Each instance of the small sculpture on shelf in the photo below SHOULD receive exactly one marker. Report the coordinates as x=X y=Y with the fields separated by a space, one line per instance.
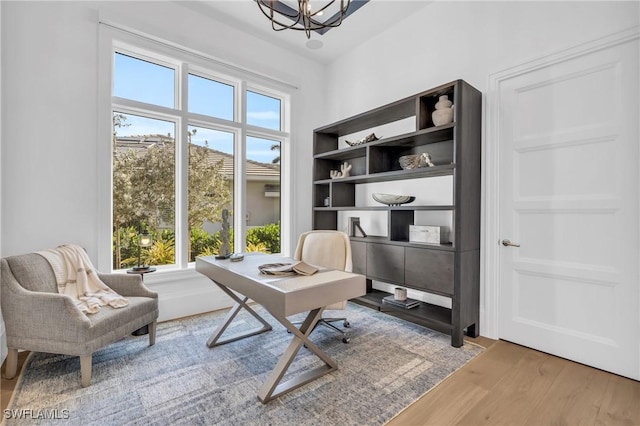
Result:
x=414 y=161
x=370 y=138
x=354 y=226
x=444 y=111
x=345 y=170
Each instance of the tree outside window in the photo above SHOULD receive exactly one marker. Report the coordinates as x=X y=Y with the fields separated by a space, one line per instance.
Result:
x=146 y=148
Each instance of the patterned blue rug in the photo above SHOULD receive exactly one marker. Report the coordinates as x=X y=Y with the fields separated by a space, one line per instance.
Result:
x=180 y=381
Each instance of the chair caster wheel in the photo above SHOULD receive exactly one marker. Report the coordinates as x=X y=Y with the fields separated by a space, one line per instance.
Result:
x=346 y=324
x=345 y=340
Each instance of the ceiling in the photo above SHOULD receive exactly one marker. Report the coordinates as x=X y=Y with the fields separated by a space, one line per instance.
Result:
x=367 y=22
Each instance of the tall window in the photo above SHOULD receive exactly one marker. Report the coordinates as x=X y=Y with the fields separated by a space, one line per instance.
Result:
x=186 y=169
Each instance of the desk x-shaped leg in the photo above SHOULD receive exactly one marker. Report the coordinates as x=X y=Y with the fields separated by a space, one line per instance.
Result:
x=214 y=340
x=272 y=388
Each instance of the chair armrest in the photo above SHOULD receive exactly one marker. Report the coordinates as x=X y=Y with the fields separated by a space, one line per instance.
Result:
x=127 y=285
x=47 y=313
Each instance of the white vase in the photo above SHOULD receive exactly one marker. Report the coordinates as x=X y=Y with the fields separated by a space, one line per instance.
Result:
x=444 y=111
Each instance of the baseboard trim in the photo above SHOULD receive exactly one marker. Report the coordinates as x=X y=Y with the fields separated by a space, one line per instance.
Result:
x=188 y=294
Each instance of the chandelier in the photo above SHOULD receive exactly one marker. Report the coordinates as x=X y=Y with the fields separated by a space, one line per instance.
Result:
x=306 y=18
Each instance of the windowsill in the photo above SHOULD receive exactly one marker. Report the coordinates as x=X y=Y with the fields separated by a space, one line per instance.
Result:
x=184 y=292
x=160 y=276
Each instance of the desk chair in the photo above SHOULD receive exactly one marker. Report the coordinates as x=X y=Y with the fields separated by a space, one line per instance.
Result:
x=329 y=249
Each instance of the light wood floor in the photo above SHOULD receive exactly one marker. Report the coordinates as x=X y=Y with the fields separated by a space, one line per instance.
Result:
x=508 y=384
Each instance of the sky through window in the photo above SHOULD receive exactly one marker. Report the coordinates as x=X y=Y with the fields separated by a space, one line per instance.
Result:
x=155 y=84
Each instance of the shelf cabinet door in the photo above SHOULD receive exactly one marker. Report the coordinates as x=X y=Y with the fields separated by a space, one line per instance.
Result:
x=359 y=257
x=385 y=263
x=430 y=270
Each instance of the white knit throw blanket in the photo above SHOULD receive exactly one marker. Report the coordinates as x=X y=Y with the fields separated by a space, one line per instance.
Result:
x=77 y=278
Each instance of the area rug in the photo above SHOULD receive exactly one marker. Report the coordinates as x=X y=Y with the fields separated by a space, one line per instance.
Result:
x=388 y=364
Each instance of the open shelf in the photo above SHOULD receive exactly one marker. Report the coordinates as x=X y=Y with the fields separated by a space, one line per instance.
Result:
x=395 y=111
x=384 y=208
x=413 y=139
x=343 y=154
x=426 y=314
x=443 y=170
x=386 y=240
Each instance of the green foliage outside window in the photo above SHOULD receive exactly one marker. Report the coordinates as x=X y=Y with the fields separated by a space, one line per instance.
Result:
x=264 y=239
x=144 y=196
x=267 y=234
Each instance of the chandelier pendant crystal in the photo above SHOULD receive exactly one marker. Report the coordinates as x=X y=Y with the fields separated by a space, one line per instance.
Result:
x=305 y=18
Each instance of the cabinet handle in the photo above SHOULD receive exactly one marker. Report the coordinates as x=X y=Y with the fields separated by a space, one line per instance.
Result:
x=507 y=243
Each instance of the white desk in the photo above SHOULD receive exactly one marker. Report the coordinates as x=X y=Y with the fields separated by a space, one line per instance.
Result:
x=282 y=297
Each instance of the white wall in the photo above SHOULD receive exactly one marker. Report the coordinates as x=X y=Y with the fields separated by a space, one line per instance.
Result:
x=464 y=40
x=50 y=106
x=3 y=340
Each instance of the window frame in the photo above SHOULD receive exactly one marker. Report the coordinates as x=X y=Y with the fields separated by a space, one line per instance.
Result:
x=186 y=62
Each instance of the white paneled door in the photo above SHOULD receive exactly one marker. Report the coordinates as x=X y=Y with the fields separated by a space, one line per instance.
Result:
x=569 y=193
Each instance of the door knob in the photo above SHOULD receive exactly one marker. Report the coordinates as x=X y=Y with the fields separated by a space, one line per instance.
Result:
x=508 y=243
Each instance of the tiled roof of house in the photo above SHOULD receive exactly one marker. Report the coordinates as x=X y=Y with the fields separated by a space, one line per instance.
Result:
x=254 y=168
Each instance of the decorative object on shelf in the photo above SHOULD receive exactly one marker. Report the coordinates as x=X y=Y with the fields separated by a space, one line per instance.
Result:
x=406 y=303
x=444 y=111
x=428 y=234
x=345 y=170
x=327 y=201
x=400 y=293
x=305 y=18
x=355 y=228
x=415 y=161
x=372 y=137
x=392 y=200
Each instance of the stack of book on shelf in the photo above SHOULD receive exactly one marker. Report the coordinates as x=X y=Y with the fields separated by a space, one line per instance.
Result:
x=406 y=304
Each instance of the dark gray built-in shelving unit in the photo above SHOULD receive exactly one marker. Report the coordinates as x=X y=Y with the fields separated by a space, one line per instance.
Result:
x=451 y=270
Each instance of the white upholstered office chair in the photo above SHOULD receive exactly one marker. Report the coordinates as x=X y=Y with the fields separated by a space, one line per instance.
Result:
x=329 y=249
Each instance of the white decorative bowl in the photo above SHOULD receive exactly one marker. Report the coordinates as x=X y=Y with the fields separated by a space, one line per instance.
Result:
x=392 y=200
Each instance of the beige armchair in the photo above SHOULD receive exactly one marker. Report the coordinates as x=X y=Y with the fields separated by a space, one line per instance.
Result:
x=39 y=319
x=329 y=249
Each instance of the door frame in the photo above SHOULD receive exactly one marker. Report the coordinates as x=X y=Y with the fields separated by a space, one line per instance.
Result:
x=490 y=253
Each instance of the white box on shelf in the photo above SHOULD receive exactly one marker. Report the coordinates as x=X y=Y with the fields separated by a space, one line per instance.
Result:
x=428 y=234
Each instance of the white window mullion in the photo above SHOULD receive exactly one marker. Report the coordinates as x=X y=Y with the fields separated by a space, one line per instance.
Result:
x=182 y=170
x=286 y=176
x=240 y=172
